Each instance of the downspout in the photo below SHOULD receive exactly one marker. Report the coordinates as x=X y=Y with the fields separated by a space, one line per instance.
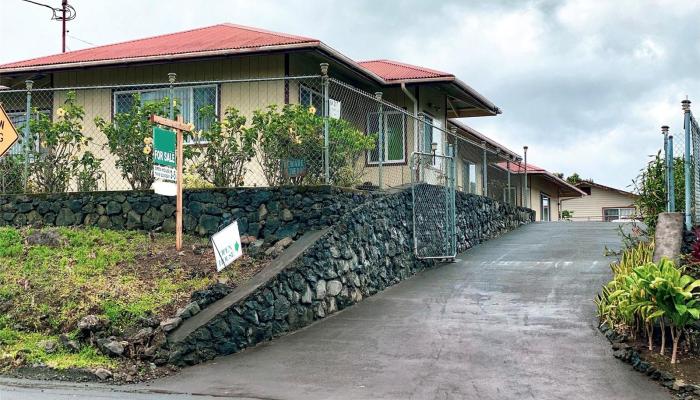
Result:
x=415 y=114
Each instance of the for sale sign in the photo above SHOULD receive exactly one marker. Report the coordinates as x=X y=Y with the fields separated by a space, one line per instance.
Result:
x=164 y=141
x=227 y=245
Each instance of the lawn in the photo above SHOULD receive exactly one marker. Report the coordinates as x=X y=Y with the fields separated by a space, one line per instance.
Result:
x=122 y=276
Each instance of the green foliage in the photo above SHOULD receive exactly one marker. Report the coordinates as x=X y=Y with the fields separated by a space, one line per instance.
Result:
x=567 y=215
x=89 y=172
x=11 y=168
x=643 y=293
x=125 y=139
x=10 y=242
x=55 y=147
x=229 y=146
x=650 y=185
x=573 y=178
x=290 y=147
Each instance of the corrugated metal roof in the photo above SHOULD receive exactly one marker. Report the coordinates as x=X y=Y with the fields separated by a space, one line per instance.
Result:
x=392 y=71
x=519 y=168
x=207 y=39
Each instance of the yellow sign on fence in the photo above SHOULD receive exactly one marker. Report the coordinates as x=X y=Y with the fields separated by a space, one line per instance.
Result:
x=8 y=133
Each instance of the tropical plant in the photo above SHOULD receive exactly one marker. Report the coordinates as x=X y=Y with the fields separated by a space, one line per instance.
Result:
x=291 y=151
x=672 y=293
x=55 y=145
x=228 y=146
x=125 y=139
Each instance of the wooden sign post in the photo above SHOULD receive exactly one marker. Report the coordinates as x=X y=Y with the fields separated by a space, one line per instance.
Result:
x=179 y=126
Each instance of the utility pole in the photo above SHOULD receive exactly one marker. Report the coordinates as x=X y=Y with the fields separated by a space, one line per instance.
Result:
x=63 y=14
x=64 y=5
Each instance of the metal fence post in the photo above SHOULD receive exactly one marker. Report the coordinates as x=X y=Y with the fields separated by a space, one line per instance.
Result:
x=508 y=172
x=25 y=141
x=171 y=78
x=326 y=133
x=685 y=104
x=671 y=178
x=484 y=173
x=526 y=193
x=664 y=131
x=380 y=139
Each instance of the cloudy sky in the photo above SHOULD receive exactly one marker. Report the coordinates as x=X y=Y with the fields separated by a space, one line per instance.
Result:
x=585 y=84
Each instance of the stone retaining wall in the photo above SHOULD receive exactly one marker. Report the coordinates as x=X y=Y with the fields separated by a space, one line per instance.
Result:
x=367 y=250
x=266 y=213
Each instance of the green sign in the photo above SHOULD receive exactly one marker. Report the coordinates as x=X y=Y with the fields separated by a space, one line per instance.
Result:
x=163 y=147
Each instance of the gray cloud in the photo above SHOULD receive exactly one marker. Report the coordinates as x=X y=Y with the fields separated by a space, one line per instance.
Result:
x=585 y=83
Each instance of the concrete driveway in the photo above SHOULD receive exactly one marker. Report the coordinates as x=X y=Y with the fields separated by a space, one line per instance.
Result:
x=511 y=319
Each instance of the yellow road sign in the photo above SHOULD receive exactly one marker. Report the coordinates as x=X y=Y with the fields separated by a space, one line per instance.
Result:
x=8 y=133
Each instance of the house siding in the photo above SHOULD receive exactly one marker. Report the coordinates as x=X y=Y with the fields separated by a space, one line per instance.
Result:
x=590 y=208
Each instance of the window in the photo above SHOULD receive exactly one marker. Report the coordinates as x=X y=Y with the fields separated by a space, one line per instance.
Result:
x=544 y=207
x=613 y=214
x=309 y=97
x=509 y=194
x=393 y=127
x=18 y=120
x=190 y=100
x=469 y=177
x=432 y=134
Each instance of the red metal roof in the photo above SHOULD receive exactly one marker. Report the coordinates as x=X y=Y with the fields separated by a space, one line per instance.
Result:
x=392 y=71
x=519 y=167
x=203 y=40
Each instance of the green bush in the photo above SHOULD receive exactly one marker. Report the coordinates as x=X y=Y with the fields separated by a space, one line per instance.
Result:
x=125 y=139
x=227 y=147
x=55 y=147
x=291 y=147
x=11 y=170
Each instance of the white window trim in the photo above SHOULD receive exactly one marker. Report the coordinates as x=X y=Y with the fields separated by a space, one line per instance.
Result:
x=191 y=105
x=20 y=132
x=619 y=216
x=386 y=138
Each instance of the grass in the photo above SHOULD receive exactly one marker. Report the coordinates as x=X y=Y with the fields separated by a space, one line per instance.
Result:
x=120 y=275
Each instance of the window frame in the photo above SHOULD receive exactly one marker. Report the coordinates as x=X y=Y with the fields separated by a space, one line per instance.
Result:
x=190 y=88
x=46 y=111
x=605 y=217
x=386 y=114
x=466 y=177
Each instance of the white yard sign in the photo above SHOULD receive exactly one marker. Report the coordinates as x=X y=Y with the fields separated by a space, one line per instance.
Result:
x=227 y=245
x=334 y=108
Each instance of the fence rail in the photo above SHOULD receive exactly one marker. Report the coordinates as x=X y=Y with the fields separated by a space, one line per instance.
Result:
x=302 y=130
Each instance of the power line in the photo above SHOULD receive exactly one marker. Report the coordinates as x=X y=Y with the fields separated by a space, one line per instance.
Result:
x=63 y=14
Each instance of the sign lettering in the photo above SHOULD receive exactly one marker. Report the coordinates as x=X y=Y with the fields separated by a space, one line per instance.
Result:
x=8 y=133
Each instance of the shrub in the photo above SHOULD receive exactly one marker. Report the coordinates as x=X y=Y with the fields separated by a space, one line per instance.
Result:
x=228 y=147
x=125 y=139
x=290 y=147
x=11 y=174
x=55 y=146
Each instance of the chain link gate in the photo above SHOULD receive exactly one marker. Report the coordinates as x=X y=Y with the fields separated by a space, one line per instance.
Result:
x=433 y=182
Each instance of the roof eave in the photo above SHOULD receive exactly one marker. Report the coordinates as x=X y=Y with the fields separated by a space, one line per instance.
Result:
x=165 y=57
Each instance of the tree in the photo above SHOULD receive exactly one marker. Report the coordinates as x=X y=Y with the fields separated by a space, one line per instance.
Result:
x=650 y=185
x=574 y=178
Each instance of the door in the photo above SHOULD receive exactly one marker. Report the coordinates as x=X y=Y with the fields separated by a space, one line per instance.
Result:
x=544 y=207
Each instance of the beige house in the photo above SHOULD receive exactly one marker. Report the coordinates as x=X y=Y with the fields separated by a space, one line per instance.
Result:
x=249 y=69
x=544 y=191
x=601 y=203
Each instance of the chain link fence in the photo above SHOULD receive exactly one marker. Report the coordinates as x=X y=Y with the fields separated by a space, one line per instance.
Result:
x=305 y=130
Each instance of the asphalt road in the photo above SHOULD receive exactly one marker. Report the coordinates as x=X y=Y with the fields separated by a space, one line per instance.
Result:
x=511 y=319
